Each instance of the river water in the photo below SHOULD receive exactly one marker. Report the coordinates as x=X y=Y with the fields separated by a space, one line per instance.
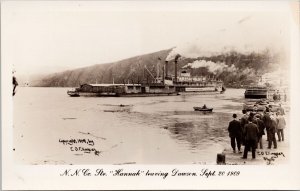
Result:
x=147 y=130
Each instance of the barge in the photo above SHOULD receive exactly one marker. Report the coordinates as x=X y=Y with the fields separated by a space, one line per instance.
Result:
x=122 y=90
x=259 y=92
x=256 y=92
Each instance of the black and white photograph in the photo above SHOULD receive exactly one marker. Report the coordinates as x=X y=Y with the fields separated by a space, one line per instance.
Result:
x=153 y=83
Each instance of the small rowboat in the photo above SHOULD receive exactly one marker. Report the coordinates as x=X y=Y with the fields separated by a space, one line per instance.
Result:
x=203 y=109
x=73 y=93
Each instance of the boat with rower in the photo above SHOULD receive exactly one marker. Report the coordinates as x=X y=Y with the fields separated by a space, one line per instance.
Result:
x=203 y=108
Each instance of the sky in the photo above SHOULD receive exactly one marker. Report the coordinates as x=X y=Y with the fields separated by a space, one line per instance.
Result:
x=51 y=36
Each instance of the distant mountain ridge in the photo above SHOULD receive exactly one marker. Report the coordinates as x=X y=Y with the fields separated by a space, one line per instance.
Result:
x=132 y=70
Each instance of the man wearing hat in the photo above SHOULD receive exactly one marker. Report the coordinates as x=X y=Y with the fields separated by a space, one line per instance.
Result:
x=261 y=127
x=251 y=132
x=235 y=133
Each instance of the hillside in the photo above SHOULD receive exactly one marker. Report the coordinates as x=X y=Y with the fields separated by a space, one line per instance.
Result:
x=131 y=69
x=233 y=68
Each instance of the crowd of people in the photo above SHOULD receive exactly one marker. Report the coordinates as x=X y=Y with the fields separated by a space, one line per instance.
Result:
x=249 y=130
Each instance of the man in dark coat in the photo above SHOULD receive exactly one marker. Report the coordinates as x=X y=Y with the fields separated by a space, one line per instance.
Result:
x=261 y=127
x=272 y=131
x=267 y=121
x=235 y=133
x=244 y=121
x=251 y=133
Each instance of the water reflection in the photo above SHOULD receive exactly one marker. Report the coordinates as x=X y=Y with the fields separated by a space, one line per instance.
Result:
x=194 y=130
x=200 y=131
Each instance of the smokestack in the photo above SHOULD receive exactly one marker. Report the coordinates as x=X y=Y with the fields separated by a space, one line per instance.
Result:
x=175 y=70
x=157 y=68
x=176 y=58
x=167 y=68
x=163 y=74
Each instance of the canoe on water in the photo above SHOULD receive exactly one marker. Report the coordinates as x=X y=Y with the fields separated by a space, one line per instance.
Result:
x=203 y=109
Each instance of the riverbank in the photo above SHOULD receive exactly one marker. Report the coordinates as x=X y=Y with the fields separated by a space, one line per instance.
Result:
x=264 y=156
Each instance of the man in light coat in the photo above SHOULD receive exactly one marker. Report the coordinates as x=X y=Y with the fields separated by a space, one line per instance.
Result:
x=280 y=126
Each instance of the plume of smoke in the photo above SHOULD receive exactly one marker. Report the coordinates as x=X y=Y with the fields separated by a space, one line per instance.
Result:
x=195 y=50
x=231 y=68
x=247 y=71
x=276 y=78
x=235 y=37
x=192 y=51
x=212 y=67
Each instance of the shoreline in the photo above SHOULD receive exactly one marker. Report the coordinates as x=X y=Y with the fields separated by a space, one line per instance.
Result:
x=264 y=156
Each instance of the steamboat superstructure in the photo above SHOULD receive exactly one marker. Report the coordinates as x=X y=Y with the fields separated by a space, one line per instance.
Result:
x=187 y=83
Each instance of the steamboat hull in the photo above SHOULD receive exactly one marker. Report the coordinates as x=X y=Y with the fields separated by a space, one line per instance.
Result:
x=190 y=90
x=200 y=93
x=256 y=93
x=255 y=96
x=88 y=94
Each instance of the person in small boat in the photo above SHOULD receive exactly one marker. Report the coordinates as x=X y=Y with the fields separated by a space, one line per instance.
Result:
x=204 y=107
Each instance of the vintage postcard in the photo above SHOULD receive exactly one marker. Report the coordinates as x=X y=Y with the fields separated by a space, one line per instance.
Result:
x=150 y=94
